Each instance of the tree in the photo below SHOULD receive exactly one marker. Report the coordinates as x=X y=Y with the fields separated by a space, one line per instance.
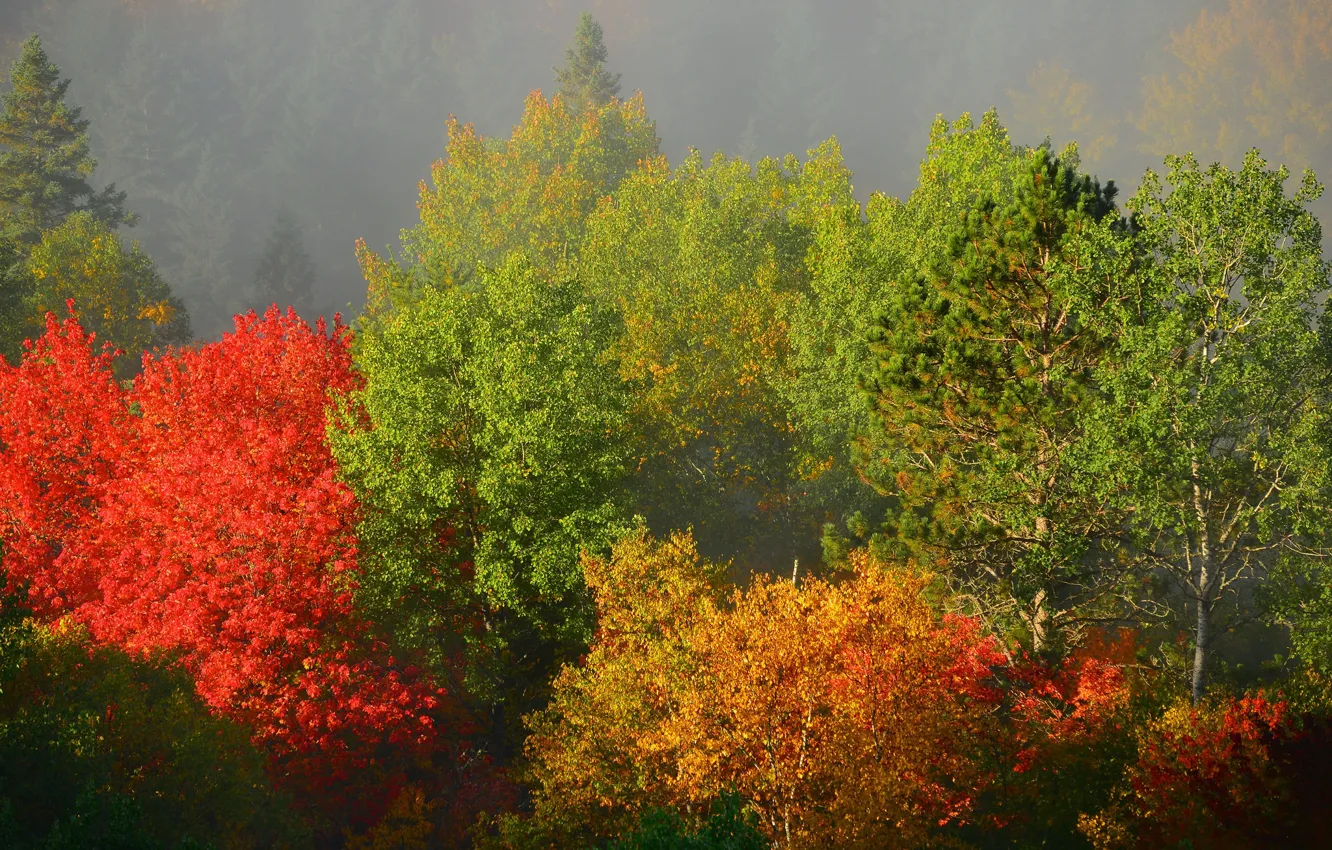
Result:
x=1205 y=776
x=285 y=274
x=853 y=265
x=592 y=764
x=66 y=428
x=94 y=742
x=705 y=263
x=193 y=514
x=119 y=292
x=1250 y=75
x=14 y=287
x=844 y=713
x=1214 y=414
x=531 y=193
x=980 y=386
x=584 y=80
x=489 y=450
x=798 y=91
x=202 y=230
x=45 y=165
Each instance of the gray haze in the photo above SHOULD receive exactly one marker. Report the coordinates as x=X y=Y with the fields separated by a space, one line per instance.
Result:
x=213 y=114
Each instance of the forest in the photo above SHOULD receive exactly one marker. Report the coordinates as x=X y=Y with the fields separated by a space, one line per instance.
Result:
x=644 y=503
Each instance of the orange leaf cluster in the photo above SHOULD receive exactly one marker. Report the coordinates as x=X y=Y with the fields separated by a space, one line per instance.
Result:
x=846 y=713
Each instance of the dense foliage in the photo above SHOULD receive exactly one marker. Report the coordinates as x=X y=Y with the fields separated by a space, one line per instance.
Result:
x=654 y=506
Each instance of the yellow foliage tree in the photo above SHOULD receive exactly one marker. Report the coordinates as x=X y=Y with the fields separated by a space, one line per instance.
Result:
x=406 y=825
x=530 y=193
x=844 y=713
x=1254 y=75
x=116 y=291
x=595 y=757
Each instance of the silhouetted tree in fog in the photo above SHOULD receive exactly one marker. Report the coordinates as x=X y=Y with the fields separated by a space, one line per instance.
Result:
x=285 y=274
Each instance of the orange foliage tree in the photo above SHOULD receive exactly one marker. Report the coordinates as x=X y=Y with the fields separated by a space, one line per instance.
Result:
x=846 y=714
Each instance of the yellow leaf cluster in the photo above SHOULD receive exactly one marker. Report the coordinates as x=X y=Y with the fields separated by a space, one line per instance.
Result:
x=832 y=708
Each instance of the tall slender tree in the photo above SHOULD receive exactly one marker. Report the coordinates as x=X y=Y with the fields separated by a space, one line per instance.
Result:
x=45 y=165
x=1215 y=402
x=978 y=389
x=584 y=80
x=285 y=274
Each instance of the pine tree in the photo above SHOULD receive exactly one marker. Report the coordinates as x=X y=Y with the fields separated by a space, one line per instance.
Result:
x=285 y=274
x=584 y=79
x=45 y=166
x=979 y=391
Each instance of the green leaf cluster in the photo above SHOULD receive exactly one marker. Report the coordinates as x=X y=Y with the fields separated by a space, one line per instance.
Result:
x=489 y=447
x=98 y=749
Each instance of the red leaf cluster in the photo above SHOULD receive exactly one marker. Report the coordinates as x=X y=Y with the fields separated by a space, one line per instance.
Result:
x=197 y=512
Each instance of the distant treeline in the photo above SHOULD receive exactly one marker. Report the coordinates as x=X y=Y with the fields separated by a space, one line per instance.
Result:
x=216 y=116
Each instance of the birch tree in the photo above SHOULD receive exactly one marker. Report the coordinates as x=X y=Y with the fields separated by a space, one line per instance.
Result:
x=1213 y=402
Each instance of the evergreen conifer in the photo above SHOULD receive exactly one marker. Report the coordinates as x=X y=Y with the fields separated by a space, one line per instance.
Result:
x=285 y=274
x=44 y=159
x=584 y=80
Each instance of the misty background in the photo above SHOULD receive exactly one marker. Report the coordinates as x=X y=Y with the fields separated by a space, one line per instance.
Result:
x=226 y=119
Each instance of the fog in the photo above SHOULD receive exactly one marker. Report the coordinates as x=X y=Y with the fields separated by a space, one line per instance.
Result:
x=213 y=114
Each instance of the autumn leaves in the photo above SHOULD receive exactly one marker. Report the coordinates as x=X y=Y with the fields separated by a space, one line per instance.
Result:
x=198 y=514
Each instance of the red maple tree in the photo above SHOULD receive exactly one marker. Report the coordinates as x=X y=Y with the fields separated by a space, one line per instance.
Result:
x=197 y=512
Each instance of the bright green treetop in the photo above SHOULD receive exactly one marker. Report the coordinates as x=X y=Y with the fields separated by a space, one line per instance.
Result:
x=531 y=193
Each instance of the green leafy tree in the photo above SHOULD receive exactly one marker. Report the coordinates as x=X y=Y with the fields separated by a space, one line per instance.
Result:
x=979 y=388
x=45 y=167
x=285 y=275
x=705 y=263
x=1214 y=424
x=489 y=450
x=45 y=163
x=584 y=80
